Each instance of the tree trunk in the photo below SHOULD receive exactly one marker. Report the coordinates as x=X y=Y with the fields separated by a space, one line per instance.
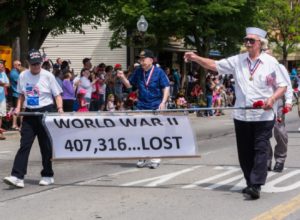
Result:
x=202 y=49
x=37 y=38
x=16 y=49
x=37 y=34
x=23 y=34
x=284 y=58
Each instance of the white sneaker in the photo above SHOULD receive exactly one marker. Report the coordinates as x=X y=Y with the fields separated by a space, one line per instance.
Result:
x=14 y=181
x=141 y=163
x=299 y=129
x=46 y=181
x=154 y=163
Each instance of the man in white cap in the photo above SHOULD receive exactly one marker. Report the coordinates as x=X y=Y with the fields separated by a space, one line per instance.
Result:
x=257 y=78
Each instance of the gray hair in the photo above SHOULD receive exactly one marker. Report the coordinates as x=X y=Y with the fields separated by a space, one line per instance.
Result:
x=264 y=43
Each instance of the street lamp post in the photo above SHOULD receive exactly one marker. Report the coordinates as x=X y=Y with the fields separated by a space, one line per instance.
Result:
x=142 y=26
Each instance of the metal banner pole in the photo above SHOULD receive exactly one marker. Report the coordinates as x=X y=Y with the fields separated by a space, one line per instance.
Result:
x=185 y=110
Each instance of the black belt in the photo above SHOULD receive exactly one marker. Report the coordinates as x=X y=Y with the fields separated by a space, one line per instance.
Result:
x=47 y=108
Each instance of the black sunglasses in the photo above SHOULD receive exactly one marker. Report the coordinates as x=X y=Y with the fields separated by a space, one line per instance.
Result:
x=250 y=40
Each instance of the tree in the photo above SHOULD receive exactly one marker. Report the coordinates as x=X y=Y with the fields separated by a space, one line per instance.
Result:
x=221 y=22
x=205 y=24
x=34 y=20
x=282 y=20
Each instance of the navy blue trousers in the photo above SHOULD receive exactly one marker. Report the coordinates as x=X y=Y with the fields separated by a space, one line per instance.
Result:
x=32 y=126
x=253 y=141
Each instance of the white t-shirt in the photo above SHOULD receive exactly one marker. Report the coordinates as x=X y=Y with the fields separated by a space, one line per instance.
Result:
x=38 y=89
x=266 y=77
x=86 y=84
x=289 y=91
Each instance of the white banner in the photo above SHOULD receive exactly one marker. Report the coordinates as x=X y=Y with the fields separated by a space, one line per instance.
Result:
x=126 y=136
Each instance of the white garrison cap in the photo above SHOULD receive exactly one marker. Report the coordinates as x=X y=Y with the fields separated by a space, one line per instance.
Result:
x=257 y=31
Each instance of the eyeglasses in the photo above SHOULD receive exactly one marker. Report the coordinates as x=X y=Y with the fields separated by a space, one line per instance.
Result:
x=250 y=40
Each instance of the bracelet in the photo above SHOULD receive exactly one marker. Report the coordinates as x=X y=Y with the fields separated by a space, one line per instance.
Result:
x=59 y=108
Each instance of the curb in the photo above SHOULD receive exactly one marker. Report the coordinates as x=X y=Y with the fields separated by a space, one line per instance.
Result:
x=11 y=133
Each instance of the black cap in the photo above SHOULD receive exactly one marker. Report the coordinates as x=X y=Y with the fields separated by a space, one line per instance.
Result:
x=146 y=53
x=85 y=60
x=56 y=66
x=34 y=56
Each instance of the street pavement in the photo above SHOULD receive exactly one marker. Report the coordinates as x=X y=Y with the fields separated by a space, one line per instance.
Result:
x=185 y=188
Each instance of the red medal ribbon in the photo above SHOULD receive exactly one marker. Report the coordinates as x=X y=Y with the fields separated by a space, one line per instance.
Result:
x=149 y=77
x=252 y=70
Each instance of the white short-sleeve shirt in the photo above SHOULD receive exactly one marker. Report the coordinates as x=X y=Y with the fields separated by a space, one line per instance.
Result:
x=289 y=91
x=38 y=89
x=86 y=84
x=265 y=79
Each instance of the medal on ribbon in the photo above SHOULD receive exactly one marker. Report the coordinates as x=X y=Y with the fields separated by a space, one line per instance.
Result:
x=252 y=69
x=149 y=77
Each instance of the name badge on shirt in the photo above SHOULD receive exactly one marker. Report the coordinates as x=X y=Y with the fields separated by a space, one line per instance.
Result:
x=32 y=96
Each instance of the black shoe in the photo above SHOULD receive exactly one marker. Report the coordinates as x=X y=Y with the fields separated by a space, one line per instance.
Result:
x=278 y=167
x=245 y=189
x=253 y=192
x=269 y=165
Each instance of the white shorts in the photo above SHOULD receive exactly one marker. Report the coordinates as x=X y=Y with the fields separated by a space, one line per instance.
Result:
x=3 y=108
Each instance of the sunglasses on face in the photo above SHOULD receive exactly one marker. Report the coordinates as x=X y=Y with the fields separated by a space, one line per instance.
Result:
x=249 y=40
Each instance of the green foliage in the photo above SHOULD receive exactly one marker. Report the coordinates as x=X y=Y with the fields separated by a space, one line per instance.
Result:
x=213 y=23
x=49 y=16
x=204 y=24
x=282 y=20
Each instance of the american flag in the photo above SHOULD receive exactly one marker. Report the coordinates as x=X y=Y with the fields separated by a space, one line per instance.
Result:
x=271 y=79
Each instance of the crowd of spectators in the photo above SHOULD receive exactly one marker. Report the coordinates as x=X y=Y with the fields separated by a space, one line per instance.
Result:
x=99 y=89
x=218 y=92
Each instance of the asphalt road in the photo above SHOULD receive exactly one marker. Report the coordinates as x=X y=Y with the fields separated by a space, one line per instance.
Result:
x=199 y=188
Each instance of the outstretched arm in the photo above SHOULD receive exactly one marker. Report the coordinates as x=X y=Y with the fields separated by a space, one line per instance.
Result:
x=125 y=81
x=204 y=62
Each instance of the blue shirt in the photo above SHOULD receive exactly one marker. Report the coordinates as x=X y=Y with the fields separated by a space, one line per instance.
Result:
x=293 y=74
x=151 y=95
x=13 y=77
x=176 y=78
x=3 y=79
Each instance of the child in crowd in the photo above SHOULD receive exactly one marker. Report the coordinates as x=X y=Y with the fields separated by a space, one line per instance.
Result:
x=83 y=105
x=120 y=105
x=110 y=106
x=131 y=100
x=196 y=93
x=181 y=101
x=218 y=96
